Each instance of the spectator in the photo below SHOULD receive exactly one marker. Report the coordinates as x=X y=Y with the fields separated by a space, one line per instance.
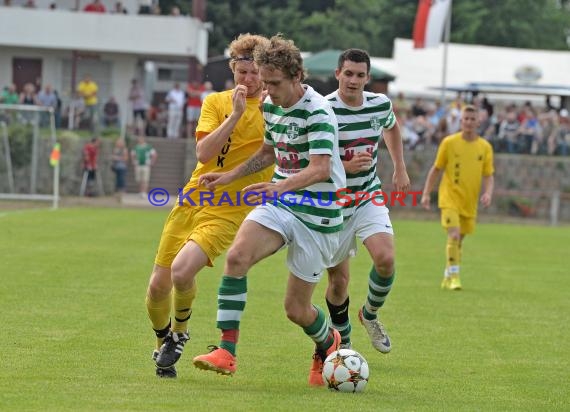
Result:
x=485 y=104
x=29 y=97
x=175 y=11
x=229 y=84
x=418 y=108
x=529 y=131
x=441 y=130
x=143 y=157
x=47 y=98
x=175 y=100
x=90 y=155
x=136 y=96
x=95 y=7
x=508 y=132
x=29 y=4
x=208 y=89
x=120 y=159
x=401 y=107
x=457 y=104
x=111 y=113
x=119 y=8
x=157 y=120
x=486 y=127
x=88 y=90
x=454 y=119
x=559 y=140
x=145 y=6
x=548 y=122
x=9 y=95
x=193 y=104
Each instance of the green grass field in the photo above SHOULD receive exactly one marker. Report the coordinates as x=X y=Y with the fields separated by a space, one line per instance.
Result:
x=76 y=336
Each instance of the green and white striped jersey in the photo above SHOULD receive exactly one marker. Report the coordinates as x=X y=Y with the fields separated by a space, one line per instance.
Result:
x=360 y=130
x=307 y=128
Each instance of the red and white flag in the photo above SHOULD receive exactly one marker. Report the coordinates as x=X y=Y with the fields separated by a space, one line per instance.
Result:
x=430 y=22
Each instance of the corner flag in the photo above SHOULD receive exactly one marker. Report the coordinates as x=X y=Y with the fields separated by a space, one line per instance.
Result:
x=430 y=22
x=55 y=154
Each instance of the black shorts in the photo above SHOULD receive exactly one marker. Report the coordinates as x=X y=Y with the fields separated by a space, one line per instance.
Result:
x=91 y=174
x=139 y=113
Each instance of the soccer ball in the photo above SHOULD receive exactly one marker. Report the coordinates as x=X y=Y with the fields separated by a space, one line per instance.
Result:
x=346 y=371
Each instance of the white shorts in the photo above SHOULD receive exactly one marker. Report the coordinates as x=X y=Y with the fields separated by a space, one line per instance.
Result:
x=364 y=222
x=142 y=173
x=310 y=252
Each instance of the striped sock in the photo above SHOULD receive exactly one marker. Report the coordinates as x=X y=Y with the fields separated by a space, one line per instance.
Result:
x=319 y=331
x=232 y=296
x=378 y=289
x=340 y=320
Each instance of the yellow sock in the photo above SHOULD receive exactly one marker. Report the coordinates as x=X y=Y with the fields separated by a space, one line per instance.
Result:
x=159 y=315
x=183 y=308
x=453 y=256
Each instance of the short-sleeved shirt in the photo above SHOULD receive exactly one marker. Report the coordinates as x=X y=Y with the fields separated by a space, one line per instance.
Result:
x=243 y=142
x=88 y=90
x=143 y=154
x=360 y=130
x=464 y=163
x=309 y=127
x=10 y=98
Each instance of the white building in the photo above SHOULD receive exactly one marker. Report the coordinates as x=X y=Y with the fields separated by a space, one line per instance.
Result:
x=419 y=71
x=59 y=46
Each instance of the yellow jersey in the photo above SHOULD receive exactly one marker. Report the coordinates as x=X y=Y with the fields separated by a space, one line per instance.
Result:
x=88 y=90
x=247 y=137
x=464 y=163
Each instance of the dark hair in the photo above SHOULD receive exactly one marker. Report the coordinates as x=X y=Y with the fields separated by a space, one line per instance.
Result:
x=354 y=55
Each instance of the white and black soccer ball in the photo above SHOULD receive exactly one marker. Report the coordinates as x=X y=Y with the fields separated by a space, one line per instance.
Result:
x=346 y=371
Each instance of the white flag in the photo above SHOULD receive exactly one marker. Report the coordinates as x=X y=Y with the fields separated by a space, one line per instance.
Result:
x=430 y=22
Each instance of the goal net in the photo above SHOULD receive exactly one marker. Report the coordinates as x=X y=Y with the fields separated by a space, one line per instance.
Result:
x=27 y=139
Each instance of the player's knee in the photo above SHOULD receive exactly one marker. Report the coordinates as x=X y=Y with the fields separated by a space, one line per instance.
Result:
x=384 y=262
x=182 y=276
x=160 y=284
x=295 y=314
x=238 y=259
x=338 y=284
x=454 y=236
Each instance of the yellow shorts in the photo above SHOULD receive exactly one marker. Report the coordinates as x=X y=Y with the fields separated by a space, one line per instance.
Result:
x=452 y=218
x=200 y=225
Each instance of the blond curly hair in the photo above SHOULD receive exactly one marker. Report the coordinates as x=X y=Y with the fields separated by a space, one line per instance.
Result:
x=242 y=48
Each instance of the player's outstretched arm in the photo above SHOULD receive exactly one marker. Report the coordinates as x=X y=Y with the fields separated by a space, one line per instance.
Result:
x=318 y=170
x=261 y=159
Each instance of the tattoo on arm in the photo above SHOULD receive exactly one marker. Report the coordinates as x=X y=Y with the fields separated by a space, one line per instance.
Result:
x=255 y=164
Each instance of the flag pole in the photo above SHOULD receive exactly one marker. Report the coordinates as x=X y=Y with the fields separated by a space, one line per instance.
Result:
x=445 y=45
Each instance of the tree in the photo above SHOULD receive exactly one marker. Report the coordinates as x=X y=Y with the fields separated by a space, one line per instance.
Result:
x=374 y=24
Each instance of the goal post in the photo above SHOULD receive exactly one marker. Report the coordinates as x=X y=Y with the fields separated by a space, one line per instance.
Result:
x=26 y=117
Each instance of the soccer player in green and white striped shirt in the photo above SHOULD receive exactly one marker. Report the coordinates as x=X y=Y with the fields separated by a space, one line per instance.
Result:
x=299 y=207
x=363 y=119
